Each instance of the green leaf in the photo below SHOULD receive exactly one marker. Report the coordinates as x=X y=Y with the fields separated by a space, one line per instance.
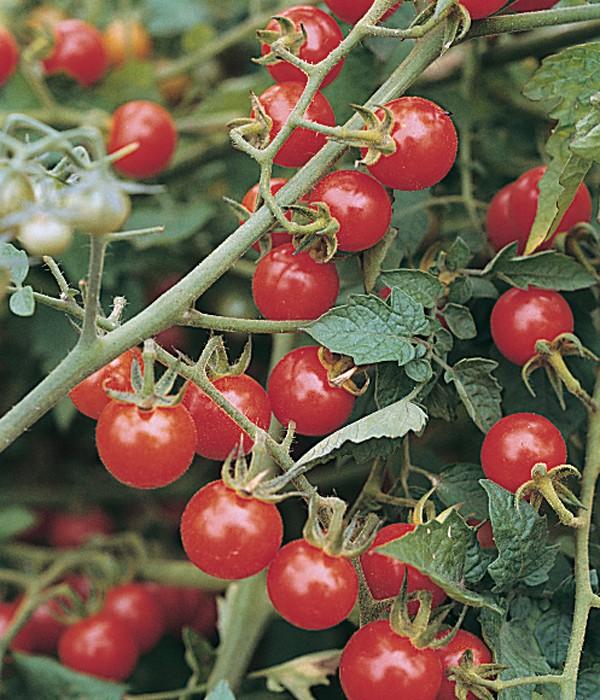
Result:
x=372 y=259
x=134 y=80
x=391 y=384
x=13 y=520
x=553 y=632
x=199 y=654
x=459 y=255
x=548 y=269
x=460 y=321
x=441 y=403
x=521 y=536
x=482 y=288
x=221 y=691
x=423 y=287
x=369 y=330
x=15 y=261
x=439 y=550
x=478 y=389
x=459 y=483
x=300 y=675
x=180 y=222
x=419 y=370
x=588 y=684
x=164 y=21
x=21 y=302
x=411 y=218
x=393 y=421
x=48 y=679
x=586 y=143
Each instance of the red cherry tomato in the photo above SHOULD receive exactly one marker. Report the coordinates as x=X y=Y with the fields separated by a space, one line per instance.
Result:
x=90 y=397
x=250 y=198
x=43 y=628
x=149 y=125
x=290 y=286
x=24 y=640
x=384 y=575
x=227 y=535
x=451 y=654
x=309 y=588
x=218 y=435
x=278 y=101
x=204 y=617
x=521 y=317
x=482 y=8
x=323 y=35
x=137 y=608
x=9 y=55
x=352 y=10
x=499 y=222
x=145 y=448
x=485 y=534
x=186 y=607
x=72 y=530
x=78 y=51
x=101 y=646
x=516 y=443
x=531 y=5
x=300 y=391
x=426 y=144
x=378 y=663
x=360 y=204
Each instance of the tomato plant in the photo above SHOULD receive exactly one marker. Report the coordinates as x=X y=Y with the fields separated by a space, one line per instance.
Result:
x=78 y=51
x=451 y=654
x=137 y=608
x=352 y=10
x=9 y=55
x=126 y=39
x=65 y=529
x=249 y=202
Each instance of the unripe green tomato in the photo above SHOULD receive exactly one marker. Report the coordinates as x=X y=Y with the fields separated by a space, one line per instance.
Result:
x=96 y=210
x=15 y=191
x=43 y=234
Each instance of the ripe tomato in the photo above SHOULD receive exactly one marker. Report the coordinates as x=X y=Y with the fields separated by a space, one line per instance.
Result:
x=218 y=434
x=516 y=443
x=145 y=448
x=90 y=397
x=482 y=8
x=521 y=317
x=499 y=221
x=137 y=608
x=44 y=234
x=24 y=640
x=72 y=530
x=451 y=654
x=227 y=535
x=531 y=5
x=126 y=39
x=300 y=391
x=323 y=35
x=426 y=144
x=186 y=607
x=378 y=663
x=250 y=198
x=384 y=575
x=43 y=628
x=78 y=51
x=149 y=125
x=352 y=10
x=290 y=286
x=309 y=588
x=101 y=646
x=359 y=203
x=278 y=101
x=485 y=534
x=9 y=55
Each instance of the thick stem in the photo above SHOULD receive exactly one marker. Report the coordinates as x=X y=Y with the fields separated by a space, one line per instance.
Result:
x=526 y=21
x=89 y=332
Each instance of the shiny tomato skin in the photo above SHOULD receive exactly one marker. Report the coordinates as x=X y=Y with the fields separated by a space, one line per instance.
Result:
x=69 y=530
x=90 y=396
x=323 y=35
x=378 y=663
x=145 y=449
x=531 y=5
x=227 y=535
x=384 y=575
x=101 y=646
x=351 y=11
x=309 y=588
x=217 y=434
x=24 y=640
x=499 y=221
x=426 y=144
x=78 y=51
x=136 y=607
x=126 y=39
x=478 y=9
x=278 y=101
x=300 y=391
x=44 y=628
x=250 y=198
x=290 y=286
x=360 y=204
x=451 y=654
x=516 y=443
x=9 y=55
x=521 y=317
x=153 y=128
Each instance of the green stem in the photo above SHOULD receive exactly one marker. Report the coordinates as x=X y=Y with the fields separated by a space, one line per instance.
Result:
x=89 y=331
x=225 y=324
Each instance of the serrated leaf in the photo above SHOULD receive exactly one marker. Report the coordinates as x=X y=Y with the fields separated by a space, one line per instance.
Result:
x=393 y=421
x=478 y=389
x=22 y=302
x=48 y=679
x=439 y=550
x=521 y=536
x=370 y=331
x=483 y=288
x=459 y=483
x=553 y=633
x=411 y=218
x=586 y=143
x=13 y=520
x=459 y=255
x=391 y=384
x=460 y=321
x=588 y=684
x=300 y=675
x=221 y=691
x=422 y=286
x=199 y=654
x=15 y=261
x=441 y=403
